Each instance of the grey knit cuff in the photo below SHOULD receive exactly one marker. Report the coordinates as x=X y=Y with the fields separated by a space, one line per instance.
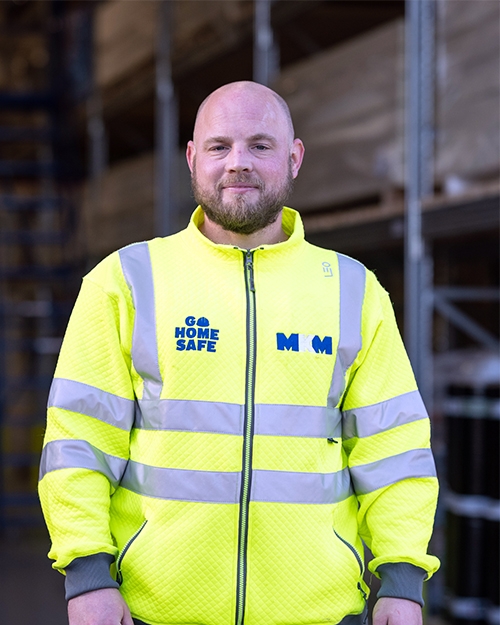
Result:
x=402 y=580
x=89 y=573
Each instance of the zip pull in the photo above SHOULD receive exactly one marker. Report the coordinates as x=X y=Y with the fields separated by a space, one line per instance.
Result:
x=332 y=440
x=249 y=268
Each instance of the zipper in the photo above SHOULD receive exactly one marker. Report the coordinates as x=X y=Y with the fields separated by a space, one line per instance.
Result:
x=246 y=477
x=354 y=552
x=126 y=547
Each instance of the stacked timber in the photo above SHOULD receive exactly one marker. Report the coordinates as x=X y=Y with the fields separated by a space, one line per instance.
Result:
x=119 y=206
x=348 y=108
x=126 y=35
x=468 y=90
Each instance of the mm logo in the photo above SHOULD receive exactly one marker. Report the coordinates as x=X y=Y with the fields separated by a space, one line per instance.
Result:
x=304 y=343
x=196 y=335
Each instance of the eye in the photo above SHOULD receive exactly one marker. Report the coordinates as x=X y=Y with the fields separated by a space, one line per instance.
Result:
x=261 y=148
x=217 y=148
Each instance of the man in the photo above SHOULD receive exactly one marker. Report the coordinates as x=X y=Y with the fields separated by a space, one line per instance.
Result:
x=233 y=411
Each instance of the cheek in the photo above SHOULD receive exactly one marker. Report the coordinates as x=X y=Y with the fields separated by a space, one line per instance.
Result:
x=208 y=172
x=277 y=172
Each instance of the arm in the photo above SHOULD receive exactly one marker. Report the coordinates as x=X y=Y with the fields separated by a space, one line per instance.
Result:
x=386 y=440
x=86 y=443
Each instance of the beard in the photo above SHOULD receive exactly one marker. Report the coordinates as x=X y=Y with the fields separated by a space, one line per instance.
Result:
x=241 y=215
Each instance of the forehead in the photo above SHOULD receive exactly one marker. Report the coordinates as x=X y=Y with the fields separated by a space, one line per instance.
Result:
x=241 y=114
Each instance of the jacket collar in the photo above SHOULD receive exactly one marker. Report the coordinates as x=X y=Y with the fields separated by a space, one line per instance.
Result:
x=291 y=223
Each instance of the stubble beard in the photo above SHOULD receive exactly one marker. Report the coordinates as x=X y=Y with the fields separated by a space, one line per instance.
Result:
x=241 y=215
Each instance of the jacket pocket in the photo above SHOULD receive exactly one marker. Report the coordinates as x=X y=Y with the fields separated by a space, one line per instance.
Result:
x=125 y=548
x=354 y=552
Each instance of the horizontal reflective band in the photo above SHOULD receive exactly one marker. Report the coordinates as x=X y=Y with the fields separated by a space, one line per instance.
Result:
x=225 y=418
x=303 y=488
x=93 y=402
x=370 y=420
x=410 y=464
x=190 y=416
x=138 y=272
x=287 y=420
x=352 y=277
x=76 y=454
x=181 y=484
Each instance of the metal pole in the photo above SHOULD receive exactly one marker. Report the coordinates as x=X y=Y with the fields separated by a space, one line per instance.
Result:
x=166 y=127
x=265 y=54
x=420 y=33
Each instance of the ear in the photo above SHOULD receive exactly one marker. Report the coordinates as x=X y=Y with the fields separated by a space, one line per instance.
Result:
x=297 y=154
x=190 y=154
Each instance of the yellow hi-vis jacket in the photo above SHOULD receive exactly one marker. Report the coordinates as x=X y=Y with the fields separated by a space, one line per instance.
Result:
x=229 y=425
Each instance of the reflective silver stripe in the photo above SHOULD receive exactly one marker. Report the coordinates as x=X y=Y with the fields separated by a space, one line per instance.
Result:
x=410 y=464
x=181 y=484
x=304 y=488
x=225 y=418
x=352 y=278
x=370 y=420
x=288 y=420
x=77 y=454
x=190 y=416
x=91 y=401
x=136 y=266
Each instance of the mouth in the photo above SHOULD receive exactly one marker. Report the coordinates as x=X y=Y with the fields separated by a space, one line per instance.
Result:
x=240 y=183
x=239 y=187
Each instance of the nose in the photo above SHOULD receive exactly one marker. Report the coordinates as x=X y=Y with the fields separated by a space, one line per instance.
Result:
x=238 y=160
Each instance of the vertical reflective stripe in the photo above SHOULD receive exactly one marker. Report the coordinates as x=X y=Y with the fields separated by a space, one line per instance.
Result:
x=138 y=272
x=352 y=278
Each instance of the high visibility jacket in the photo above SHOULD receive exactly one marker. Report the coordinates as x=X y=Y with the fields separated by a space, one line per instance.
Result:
x=229 y=425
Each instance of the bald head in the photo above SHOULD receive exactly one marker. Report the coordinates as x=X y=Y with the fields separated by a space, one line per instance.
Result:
x=246 y=91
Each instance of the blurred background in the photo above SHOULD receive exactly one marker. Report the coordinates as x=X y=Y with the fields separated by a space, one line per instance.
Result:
x=398 y=105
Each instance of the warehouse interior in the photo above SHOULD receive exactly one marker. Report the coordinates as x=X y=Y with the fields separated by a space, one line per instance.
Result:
x=398 y=105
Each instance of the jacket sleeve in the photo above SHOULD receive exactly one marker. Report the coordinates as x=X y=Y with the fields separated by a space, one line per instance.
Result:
x=386 y=437
x=90 y=414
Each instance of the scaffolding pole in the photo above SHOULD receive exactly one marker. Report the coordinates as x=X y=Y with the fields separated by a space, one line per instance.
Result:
x=166 y=127
x=265 y=51
x=420 y=44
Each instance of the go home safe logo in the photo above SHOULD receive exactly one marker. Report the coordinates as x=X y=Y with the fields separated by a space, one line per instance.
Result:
x=196 y=335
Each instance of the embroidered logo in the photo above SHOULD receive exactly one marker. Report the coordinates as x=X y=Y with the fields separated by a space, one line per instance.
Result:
x=304 y=343
x=327 y=270
x=196 y=335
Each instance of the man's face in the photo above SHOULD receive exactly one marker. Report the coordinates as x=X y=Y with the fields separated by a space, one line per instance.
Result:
x=243 y=160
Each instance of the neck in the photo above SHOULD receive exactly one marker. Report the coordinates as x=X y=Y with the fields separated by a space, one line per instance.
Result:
x=271 y=234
